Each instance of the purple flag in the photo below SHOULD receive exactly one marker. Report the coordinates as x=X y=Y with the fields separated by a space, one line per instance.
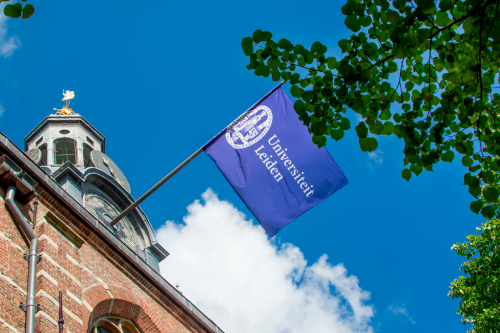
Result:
x=269 y=159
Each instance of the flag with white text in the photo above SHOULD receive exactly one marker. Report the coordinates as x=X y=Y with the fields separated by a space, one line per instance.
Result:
x=269 y=159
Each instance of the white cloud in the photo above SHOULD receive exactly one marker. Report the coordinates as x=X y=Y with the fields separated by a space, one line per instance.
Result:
x=246 y=282
x=7 y=44
x=376 y=156
x=401 y=311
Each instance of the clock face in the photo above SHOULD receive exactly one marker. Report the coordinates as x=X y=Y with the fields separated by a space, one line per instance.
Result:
x=35 y=154
x=104 y=163
x=105 y=211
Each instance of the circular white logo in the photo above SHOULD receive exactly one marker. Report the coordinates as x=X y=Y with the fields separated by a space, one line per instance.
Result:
x=251 y=128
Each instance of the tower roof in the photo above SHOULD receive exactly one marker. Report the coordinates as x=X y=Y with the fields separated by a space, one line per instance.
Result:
x=64 y=119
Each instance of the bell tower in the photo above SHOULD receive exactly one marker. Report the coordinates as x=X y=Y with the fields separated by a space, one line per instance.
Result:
x=72 y=151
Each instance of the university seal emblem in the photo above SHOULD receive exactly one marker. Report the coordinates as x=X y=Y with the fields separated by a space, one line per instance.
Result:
x=250 y=129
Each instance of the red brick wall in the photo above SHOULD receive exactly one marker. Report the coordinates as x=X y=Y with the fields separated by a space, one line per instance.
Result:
x=94 y=279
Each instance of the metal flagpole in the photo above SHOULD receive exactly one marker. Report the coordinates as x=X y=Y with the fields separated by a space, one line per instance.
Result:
x=190 y=158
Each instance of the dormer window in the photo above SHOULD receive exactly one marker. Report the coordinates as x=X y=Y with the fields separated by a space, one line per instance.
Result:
x=65 y=150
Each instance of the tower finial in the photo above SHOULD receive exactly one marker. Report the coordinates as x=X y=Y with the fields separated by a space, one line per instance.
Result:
x=66 y=110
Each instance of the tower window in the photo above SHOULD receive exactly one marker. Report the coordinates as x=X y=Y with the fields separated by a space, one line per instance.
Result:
x=90 y=141
x=39 y=141
x=64 y=131
x=87 y=161
x=65 y=151
x=43 y=149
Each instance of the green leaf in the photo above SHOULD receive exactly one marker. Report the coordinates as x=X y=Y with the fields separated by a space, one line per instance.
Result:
x=331 y=62
x=488 y=212
x=285 y=45
x=361 y=130
x=388 y=128
x=406 y=174
x=352 y=23
x=427 y=96
x=488 y=177
x=275 y=73
x=296 y=91
x=417 y=170
x=337 y=134
x=13 y=10
x=319 y=140
x=460 y=147
x=447 y=157
x=377 y=128
x=317 y=47
x=262 y=70
x=368 y=144
x=273 y=63
x=365 y=75
x=444 y=5
x=246 y=44
x=349 y=7
x=266 y=35
x=475 y=206
x=358 y=105
x=385 y=115
x=495 y=166
x=490 y=194
x=29 y=10
x=257 y=36
x=467 y=161
x=299 y=107
x=429 y=7
x=345 y=124
x=392 y=16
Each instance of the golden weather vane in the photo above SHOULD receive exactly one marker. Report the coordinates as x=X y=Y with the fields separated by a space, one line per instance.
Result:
x=66 y=110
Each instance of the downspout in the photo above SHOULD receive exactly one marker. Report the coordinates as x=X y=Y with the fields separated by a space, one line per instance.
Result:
x=31 y=306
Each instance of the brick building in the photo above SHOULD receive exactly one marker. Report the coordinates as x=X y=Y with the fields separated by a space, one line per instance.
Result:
x=61 y=263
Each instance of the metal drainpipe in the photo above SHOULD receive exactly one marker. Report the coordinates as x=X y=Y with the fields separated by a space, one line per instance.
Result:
x=31 y=306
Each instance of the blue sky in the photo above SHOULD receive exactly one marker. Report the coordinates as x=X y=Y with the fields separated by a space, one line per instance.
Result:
x=160 y=79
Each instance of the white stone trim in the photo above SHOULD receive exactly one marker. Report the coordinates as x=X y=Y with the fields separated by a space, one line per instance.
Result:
x=73 y=316
x=3 y=324
x=74 y=297
x=46 y=316
x=12 y=283
x=47 y=296
x=51 y=242
x=2 y=235
x=73 y=260
x=47 y=276
x=87 y=305
x=59 y=267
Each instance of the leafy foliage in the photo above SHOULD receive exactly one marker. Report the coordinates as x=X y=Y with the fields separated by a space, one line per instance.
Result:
x=421 y=70
x=16 y=10
x=480 y=290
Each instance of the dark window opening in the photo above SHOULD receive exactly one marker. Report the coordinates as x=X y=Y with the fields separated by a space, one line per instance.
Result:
x=64 y=131
x=65 y=151
x=102 y=330
x=39 y=141
x=43 y=149
x=87 y=161
x=90 y=141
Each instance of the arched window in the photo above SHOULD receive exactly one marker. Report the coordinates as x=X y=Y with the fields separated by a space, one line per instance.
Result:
x=87 y=162
x=113 y=325
x=65 y=150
